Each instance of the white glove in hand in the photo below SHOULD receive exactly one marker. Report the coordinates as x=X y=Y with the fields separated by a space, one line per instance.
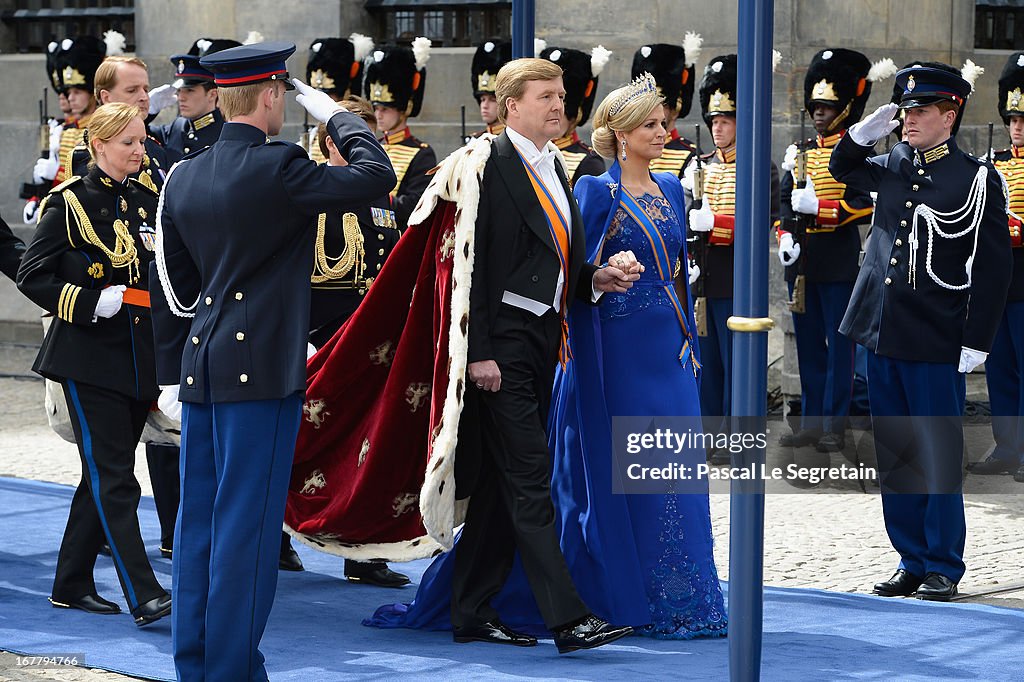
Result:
x=162 y=97
x=789 y=161
x=692 y=272
x=687 y=180
x=45 y=170
x=788 y=250
x=310 y=350
x=701 y=219
x=110 y=301
x=970 y=359
x=804 y=200
x=168 y=402
x=319 y=104
x=29 y=213
x=876 y=126
x=56 y=130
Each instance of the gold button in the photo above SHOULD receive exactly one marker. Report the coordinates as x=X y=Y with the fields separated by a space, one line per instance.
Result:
x=893 y=261
x=195 y=340
x=380 y=252
x=240 y=336
x=243 y=378
x=238 y=295
x=909 y=204
x=920 y=171
x=189 y=380
x=888 y=281
x=915 y=188
x=187 y=150
x=899 y=242
x=380 y=237
x=378 y=266
x=209 y=300
x=903 y=223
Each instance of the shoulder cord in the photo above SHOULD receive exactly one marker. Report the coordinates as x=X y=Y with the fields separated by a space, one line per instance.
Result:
x=124 y=252
x=932 y=218
x=351 y=256
x=173 y=302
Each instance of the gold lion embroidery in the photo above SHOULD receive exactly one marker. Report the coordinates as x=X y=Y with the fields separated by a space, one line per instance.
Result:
x=415 y=394
x=363 y=451
x=447 y=250
x=314 y=482
x=383 y=354
x=404 y=504
x=316 y=412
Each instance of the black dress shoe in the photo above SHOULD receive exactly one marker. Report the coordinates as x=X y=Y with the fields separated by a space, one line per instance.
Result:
x=936 y=587
x=800 y=439
x=92 y=603
x=166 y=553
x=831 y=442
x=1019 y=474
x=289 y=560
x=494 y=632
x=152 y=611
x=901 y=584
x=588 y=633
x=374 y=573
x=992 y=466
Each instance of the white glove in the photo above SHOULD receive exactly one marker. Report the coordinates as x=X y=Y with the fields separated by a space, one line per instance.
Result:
x=970 y=359
x=701 y=219
x=804 y=200
x=310 y=350
x=687 y=180
x=876 y=126
x=319 y=104
x=789 y=251
x=45 y=170
x=29 y=213
x=56 y=130
x=168 y=402
x=110 y=301
x=162 y=97
x=693 y=272
x=789 y=161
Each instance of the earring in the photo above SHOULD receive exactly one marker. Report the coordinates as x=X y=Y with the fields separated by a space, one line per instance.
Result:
x=623 y=150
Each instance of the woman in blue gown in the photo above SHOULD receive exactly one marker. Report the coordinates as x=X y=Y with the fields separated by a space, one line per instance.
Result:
x=639 y=559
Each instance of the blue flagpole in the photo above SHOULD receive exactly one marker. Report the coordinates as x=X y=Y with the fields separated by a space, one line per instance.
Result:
x=750 y=324
x=523 y=14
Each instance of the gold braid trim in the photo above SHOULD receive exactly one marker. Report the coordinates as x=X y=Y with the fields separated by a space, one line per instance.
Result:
x=124 y=252
x=351 y=256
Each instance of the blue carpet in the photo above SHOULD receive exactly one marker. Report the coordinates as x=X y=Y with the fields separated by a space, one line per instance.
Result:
x=314 y=631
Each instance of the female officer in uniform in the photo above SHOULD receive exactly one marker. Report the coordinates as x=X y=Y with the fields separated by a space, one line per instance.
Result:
x=93 y=231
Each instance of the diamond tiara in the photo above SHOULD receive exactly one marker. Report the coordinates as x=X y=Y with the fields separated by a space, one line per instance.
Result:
x=643 y=85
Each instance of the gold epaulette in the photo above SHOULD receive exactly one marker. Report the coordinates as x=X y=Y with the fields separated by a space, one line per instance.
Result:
x=150 y=187
x=401 y=156
x=671 y=161
x=572 y=162
x=67 y=183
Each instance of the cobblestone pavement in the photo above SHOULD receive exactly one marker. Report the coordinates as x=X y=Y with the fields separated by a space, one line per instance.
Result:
x=829 y=537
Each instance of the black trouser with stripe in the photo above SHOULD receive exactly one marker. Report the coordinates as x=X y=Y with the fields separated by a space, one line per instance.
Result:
x=166 y=479
x=108 y=425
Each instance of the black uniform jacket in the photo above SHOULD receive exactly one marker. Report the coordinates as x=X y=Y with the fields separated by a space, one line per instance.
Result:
x=929 y=322
x=238 y=223
x=1010 y=163
x=11 y=250
x=182 y=136
x=514 y=250
x=114 y=353
x=411 y=160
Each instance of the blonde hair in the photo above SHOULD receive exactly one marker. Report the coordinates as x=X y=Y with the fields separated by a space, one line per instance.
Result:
x=629 y=117
x=108 y=121
x=513 y=77
x=241 y=100
x=106 y=74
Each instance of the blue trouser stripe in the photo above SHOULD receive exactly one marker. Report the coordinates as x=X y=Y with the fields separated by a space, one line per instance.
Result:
x=94 y=488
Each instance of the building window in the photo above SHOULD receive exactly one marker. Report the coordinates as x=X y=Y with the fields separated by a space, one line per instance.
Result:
x=34 y=23
x=447 y=24
x=999 y=24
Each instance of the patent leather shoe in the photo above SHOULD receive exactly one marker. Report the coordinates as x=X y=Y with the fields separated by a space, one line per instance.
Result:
x=494 y=632
x=588 y=633
x=91 y=603
x=153 y=610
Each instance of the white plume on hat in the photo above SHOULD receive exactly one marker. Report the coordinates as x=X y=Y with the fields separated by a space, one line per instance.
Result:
x=362 y=45
x=691 y=48
x=776 y=59
x=970 y=72
x=599 y=57
x=203 y=44
x=421 y=50
x=52 y=47
x=253 y=38
x=539 y=45
x=882 y=69
x=66 y=44
x=115 y=42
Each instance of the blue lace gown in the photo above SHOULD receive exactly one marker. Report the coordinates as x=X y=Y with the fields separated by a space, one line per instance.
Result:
x=641 y=560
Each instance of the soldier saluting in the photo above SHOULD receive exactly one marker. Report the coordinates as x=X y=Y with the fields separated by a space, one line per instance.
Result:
x=926 y=306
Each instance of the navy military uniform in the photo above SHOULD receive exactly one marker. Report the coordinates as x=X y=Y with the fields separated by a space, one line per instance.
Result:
x=921 y=298
x=823 y=276
x=488 y=59
x=106 y=368
x=335 y=66
x=1004 y=367
x=231 y=328
x=579 y=78
x=713 y=251
x=673 y=68
x=396 y=78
